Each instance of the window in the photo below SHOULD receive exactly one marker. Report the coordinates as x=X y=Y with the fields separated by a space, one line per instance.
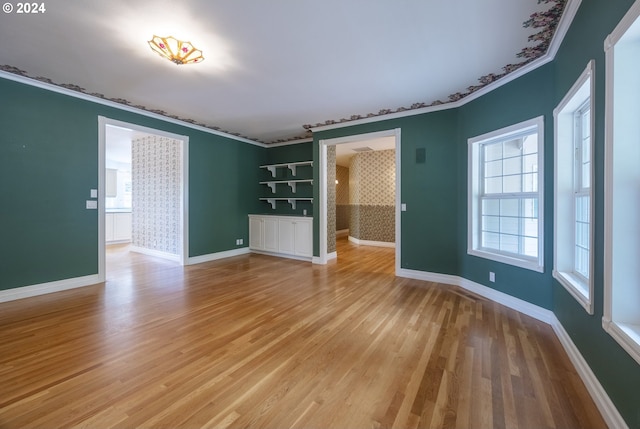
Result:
x=621 y=317
x=573 y=201
x=505 y=195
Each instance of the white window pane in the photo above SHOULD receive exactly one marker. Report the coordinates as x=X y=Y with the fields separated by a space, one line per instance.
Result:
x=493 y=168
x=586 y=123
x=491 y=207
x=530 y=207
x=512 y=183
x=530 y=182
x=530 y=163
x=491 y=223
x=512 y=165
x=586 y=175
x=493 y=185
x=510 y=225
x=531 y=247
x=512 y=148
x=530 y=227
x=509 y=243
x=530 y=144
x=492 y=152
x=491 y=240
x=582 y=208
x=509 y=207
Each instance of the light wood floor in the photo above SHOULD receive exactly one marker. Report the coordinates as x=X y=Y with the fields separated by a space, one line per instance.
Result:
x=262 y=342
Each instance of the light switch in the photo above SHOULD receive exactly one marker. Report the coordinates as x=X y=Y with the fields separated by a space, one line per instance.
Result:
x=92 y=204
x=403 y=207
x=94 y=193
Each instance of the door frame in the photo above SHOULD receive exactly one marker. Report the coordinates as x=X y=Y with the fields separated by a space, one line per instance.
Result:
x=323 y=144
x=183 y=234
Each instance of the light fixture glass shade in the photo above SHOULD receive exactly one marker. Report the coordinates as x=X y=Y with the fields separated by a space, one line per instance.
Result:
x=175 y=50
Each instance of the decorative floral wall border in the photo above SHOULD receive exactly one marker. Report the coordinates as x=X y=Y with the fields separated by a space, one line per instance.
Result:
x=547 y=21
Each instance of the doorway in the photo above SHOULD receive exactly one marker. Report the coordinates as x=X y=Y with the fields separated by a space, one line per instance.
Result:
x=325 y=174
x=159 y=164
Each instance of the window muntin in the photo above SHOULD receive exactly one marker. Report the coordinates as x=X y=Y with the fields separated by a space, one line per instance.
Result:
x=582 y=193
x=505 y=184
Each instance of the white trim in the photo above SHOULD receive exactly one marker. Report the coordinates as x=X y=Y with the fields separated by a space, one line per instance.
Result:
x=87 y=97
x=283 y=255
x=371 y=243
x=599 y=395
x=570 y=10
x=156 y=253
x=564 y=124
x=332 y=255
x=218 y=255
x=183 y=251
x=49 y=287
x=473 y=191
x=287 y=143
x=323 y=144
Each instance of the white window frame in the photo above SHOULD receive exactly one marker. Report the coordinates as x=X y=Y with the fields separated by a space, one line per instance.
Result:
x=565 y=174
x=475 y=188
x=621 y=316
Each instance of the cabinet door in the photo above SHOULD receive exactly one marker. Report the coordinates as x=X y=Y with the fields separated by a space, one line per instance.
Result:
x=270 y=234
x=108 y=227
x=303 y=240
x=286 y=235
x=122 y=226
x=256 y=233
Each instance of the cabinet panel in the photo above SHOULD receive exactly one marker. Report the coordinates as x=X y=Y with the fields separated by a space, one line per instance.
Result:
x=108 y=226
x=122 y=226
x=256 y=233
x=286 y=240
x=270 y=234
x=303 y=238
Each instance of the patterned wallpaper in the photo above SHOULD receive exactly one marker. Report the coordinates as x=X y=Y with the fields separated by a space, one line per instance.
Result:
x=331 y=199
x=372 y=178
x=372 y=196
x=156 y=169
x=342 y=198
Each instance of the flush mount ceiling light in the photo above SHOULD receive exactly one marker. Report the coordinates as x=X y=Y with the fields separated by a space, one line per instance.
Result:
x=175 y=50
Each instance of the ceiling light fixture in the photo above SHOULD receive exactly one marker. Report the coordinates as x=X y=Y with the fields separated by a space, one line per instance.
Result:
x=175 y=50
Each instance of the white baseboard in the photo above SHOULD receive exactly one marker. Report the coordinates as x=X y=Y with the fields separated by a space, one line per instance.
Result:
x=608 y=410
x=283 y=255
x=50 y=287
x=371 y=243
x=156 y=253
x=218 y=255
x=332 y=255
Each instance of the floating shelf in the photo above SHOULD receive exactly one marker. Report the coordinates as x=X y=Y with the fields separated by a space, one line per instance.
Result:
x=291 y=183
x=290 y=165
x=291 y=201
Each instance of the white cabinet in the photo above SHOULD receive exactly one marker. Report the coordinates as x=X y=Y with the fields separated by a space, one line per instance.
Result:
x=289 y=236
x=117 y=227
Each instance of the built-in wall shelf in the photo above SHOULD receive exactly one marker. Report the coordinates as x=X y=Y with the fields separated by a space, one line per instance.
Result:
x=292 y=184
x=291 y=201
x=290 y=165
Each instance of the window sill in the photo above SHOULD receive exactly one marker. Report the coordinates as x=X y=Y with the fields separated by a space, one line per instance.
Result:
x=522 y=263
x=576 y=287
x=626 y=334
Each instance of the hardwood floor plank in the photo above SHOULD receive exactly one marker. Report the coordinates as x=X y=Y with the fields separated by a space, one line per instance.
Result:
x=262 y=342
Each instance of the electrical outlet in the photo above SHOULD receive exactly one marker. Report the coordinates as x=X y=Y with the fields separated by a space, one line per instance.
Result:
x=492 y=276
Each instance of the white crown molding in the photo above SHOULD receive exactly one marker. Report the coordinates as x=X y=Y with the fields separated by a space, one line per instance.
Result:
x=105 y=102
x=571 y=8
x=287 y=143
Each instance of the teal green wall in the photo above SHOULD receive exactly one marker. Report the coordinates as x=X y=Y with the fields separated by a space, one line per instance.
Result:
x=434 y=229
x=618 y=373
x=429 y=230
x=49 y=162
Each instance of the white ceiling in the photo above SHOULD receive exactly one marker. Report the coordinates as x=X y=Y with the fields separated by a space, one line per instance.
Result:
x=270 y=66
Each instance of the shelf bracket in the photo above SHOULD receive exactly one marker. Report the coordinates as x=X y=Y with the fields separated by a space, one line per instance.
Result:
x=272 y=170
x=272 y=185
x=292 y=167
x=292 y=185
x=292 y=202
x=272 y=201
